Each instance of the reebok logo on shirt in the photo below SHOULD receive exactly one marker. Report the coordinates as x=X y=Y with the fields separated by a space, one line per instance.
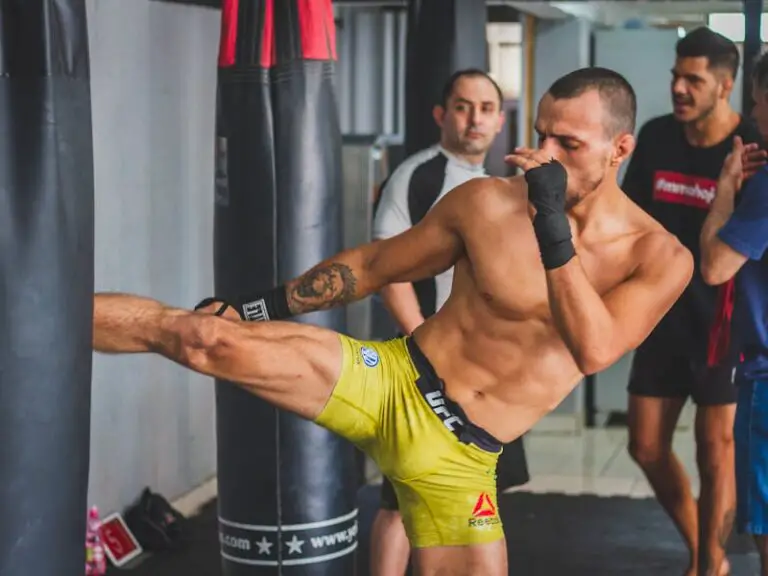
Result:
x=677 y=188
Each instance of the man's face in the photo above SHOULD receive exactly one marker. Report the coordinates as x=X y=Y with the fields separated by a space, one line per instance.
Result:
x=696 y=89
x=760 y=109
x=472 y=117
x=574 y=132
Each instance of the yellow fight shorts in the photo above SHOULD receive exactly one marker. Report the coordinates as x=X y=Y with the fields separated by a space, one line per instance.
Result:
x=389 y=402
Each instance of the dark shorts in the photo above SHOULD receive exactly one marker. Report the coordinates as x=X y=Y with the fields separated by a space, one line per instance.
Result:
x=750 y=434
x=511 y=470
x=660 y=372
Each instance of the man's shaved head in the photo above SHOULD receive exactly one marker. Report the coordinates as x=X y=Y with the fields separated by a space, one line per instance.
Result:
x=586 y=120
x=615 y=92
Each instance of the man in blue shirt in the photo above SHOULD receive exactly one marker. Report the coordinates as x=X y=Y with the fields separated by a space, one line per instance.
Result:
x=734 y=242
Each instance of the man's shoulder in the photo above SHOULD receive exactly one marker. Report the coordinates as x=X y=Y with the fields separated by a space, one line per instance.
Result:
x=490 y=197
x=748 y=131
x=659 y=249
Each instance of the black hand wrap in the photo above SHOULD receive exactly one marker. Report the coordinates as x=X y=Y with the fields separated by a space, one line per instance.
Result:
x=546 y=191
x=260 y=307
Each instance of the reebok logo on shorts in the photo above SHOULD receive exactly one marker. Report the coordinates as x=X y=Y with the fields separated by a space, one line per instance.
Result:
x=484 y=513
x=484 y=507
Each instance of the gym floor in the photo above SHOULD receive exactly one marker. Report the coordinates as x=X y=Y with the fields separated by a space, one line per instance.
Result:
x=596 y=461
x=586 y=511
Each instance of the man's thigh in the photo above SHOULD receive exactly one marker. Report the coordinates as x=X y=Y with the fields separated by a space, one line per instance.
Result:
x=751 y=438
x=370 y=377
x=714 y=425
x=482 y=559
x=452 y=499
x=445 y=487
x=652 y=421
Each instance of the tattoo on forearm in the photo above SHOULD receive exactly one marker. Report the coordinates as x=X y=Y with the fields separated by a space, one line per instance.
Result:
x=322 y=288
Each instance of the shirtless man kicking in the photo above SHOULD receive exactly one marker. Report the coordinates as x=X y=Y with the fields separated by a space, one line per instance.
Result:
x=552 y=280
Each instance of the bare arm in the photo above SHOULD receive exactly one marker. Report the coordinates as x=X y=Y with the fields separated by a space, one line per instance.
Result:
x=720 y=262
x=599 y=330
x=401 y=302
x=425 y=250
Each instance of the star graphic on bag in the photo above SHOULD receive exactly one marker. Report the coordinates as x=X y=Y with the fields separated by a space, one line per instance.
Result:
x=294 y=545
x=264 y=545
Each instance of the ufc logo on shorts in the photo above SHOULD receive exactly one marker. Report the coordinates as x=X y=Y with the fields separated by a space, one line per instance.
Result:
x=437 y=403
x=256 y=311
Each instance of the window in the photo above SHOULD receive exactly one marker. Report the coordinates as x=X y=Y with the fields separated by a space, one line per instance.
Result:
x=731 y=25
x=505 y=56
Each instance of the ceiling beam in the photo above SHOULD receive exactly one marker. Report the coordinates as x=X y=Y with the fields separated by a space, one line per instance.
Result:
x=539 y=9
x=615 y=12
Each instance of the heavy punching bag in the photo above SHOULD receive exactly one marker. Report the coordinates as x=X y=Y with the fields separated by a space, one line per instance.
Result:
x=46 y=301
x=287 y=500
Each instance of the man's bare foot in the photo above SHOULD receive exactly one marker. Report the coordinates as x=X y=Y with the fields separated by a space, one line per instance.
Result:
x=725 y=569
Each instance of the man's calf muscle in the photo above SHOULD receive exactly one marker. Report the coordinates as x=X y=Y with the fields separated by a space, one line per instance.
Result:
x=294 y=366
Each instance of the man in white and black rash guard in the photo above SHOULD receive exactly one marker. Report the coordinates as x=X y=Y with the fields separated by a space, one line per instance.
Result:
x=469 y=116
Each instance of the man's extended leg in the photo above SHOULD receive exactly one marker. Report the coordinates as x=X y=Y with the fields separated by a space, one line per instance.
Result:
x=652 y=423
x=292 y=366
x=390 y=548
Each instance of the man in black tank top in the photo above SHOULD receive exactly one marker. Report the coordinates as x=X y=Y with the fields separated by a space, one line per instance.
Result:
x=469 y=117
x=672 y=175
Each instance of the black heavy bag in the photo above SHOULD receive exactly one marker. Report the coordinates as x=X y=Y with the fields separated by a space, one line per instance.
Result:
x=286 y=486
x=46 y=301
x=443 y=36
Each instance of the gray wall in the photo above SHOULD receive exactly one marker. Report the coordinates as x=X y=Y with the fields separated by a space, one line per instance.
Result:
x=153 y=93
x=561 y=46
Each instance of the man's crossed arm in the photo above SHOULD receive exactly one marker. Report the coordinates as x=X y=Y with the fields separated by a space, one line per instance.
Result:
x=598 y=329
x=601 y=329
x=425 y=250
